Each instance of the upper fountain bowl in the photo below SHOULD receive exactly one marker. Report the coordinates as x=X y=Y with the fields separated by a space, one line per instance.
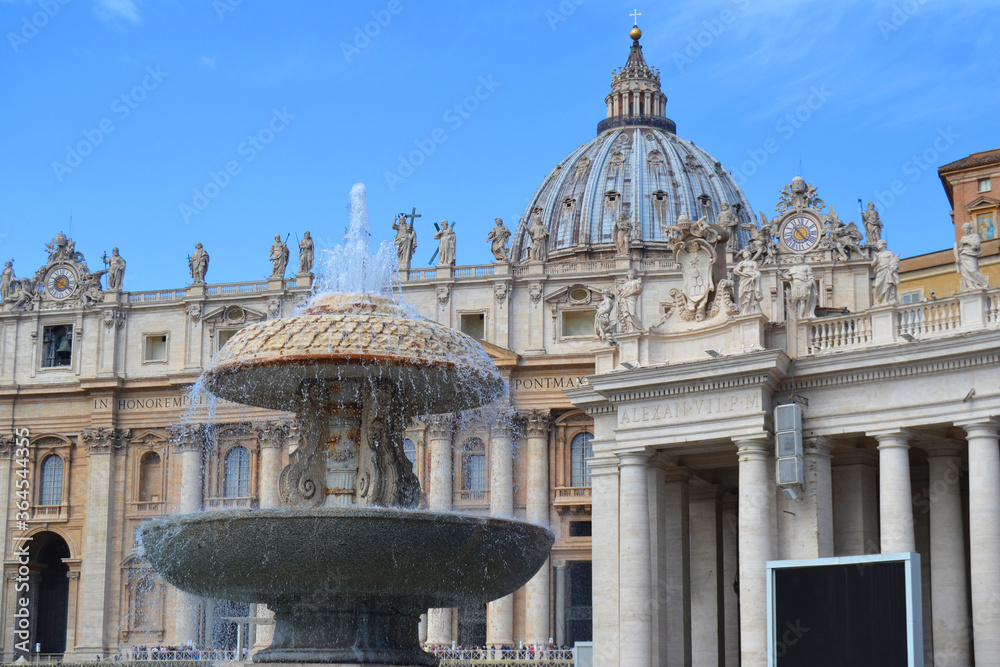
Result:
x=340 y=341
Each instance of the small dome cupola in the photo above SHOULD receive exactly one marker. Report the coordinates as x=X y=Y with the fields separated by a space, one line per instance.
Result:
x=635 y=98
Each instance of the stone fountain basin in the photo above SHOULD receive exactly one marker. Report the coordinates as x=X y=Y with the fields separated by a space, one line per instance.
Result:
x=428 y=559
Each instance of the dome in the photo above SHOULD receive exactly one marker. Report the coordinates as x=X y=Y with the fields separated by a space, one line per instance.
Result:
x=637 y=166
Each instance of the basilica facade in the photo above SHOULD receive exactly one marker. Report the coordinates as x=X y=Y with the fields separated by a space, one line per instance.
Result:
x=648 y=322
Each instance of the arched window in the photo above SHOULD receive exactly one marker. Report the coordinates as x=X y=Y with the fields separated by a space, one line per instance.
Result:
x=52 y=481
x=237 y=473
x=580 y=450
x=410 y=450
x=150 y=478
x=474 y=465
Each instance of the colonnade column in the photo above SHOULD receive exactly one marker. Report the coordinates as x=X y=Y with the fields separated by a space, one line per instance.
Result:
x=635 y=562
x=536 y=598
x=500 y=613
x=756 y=548
x=707 y=583
x=560 y=566
x=189 y=442
x=984 y=538
x=949 y=611
x=271 y=438
x=895 y=492
x=440 y=497
x=103 y=446
x=814 y=535
x=604 y=485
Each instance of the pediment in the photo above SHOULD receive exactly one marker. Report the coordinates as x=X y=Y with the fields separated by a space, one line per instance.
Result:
x=234 y=315
x=577 y=294
x=982 y=202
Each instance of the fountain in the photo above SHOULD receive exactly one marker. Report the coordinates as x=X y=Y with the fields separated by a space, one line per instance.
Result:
x=348 y=565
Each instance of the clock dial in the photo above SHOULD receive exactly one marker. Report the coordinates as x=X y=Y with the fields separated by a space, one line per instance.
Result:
x=800 y=233
x=60 y=283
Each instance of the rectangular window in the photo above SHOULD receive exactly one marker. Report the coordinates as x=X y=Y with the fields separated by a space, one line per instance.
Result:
x=57 y=346
x=910 y=297
x=474 y=324
x=578 y=323
x=224 y=337
x=580 y=529
x=984 y=185
x=155 y=348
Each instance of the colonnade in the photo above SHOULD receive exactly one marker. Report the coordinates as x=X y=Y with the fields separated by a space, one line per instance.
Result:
x=660 y=548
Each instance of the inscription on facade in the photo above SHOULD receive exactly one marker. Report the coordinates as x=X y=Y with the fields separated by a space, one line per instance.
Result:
x=683 y=409
x=152 y=403
x=535 y=384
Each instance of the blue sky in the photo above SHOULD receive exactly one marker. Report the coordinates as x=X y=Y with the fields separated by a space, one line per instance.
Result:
x=159 y=123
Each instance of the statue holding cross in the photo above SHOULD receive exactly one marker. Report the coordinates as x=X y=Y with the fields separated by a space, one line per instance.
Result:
x=406 y=239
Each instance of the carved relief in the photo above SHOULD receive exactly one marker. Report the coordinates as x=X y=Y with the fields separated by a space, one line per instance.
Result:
x=113 y=318
x=696 y=247
x=105 y=439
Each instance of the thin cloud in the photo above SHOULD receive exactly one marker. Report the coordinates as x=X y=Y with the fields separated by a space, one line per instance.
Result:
x=208 y=62
x=116 y=12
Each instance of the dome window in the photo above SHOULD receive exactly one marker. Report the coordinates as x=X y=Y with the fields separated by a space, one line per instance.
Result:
x=568 y=203
x=611 y=197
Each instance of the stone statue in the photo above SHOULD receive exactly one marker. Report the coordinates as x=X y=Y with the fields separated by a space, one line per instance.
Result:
x=406 y=241
x=7 y=278
x=802 y=294
x=23 y=293
x=799 y=195
x=748 y=271
x=279 y=258
x=886 y=266
x=498 y=238
x=603 y=325
x=728 y=221
x=90 y=287
x=446 y=248
x=845 y=240
x=967 y=252
x=539 y=237
x=623 y=235
x=306 y=254
x=116 y=269
x=198 y=263
x=628 y=303
x=873 y=225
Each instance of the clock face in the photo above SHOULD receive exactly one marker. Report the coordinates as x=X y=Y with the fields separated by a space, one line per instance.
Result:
x=60 y=283
x=800 y=233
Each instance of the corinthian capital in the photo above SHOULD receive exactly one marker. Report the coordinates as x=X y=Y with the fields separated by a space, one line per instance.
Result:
x=271 y=434
x=537 y=423
x=187 y=436
x=105 y=439
x=439 y=426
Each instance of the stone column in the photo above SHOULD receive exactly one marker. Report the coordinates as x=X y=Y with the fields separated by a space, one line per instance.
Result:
x=604 y=487
x=895 y=492
x=271 y=437
x=984 y=538
x=730 y=577
x=536 y=593
x=756 y=548
x=675 y=597
x=855 y=501
x=560 y=568
x=190 y=443
x=813 y=534
x=634 y=604
x=96 y=600
x=500 y=613
x=707 y=619
x=949 y=581
x=440 y=497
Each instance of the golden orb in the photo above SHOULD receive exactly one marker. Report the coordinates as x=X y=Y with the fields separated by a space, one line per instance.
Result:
x=635 y=33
